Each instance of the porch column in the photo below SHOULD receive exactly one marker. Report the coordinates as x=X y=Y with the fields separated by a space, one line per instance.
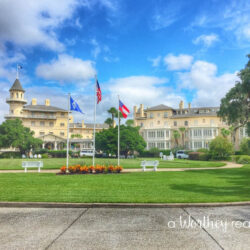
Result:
x=55 y=145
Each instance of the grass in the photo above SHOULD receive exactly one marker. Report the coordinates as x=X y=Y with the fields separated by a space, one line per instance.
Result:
x=56 y=163
x=222 y=185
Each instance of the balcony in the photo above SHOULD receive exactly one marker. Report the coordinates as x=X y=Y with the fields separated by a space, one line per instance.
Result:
x=8 y=100
x=47 y=117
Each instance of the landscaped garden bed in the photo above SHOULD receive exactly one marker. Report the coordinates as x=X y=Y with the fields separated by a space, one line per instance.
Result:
x=98 y=169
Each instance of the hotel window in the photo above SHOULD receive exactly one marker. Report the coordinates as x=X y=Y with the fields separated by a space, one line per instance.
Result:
x=167 y=133
x=17 y=95
x=195 y=122
x=151 y=124
x=165 y=114
x=42 y=124
x=204 y=120
x=207 y=132
x=151 y=145
x=175 y=123
x=151 y=134
x=158 y=122
x=158 y=114
x=165 y=124
x=33 y=124
x=160 y=134
x=62 y=133
x=151 y=115
x=62 y=124
x=211 y=121
x=197 y=133
x=186 y=123
x=141 y=124
x=41 y=133
x=51 y=124
x=160 y=145
x=62 y=114
x=167 y=145
x=51 y=133
x=12 y=112
x=197 y=144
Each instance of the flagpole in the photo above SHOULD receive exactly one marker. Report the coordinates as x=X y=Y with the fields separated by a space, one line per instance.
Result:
x=67 y=161
x=118 y=148
x=94 y=123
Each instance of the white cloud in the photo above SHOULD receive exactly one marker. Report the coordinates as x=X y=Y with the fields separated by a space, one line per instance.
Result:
x=4 y=93
x=233 y=18
x=208 y=86
x=178 y=62
x=147 y=90
x=31 y=23
x=97 y=49
x=66 y=69
x=155 y=61
x=206 y=40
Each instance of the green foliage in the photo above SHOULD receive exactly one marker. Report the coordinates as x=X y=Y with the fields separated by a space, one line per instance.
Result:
x=235 y=106
x=245 y=146
x=109 y=122
x=220 y=148
x=130 y=140
x=76 y=136
x=45 y=156
x=10 y=155
x=14 y=134
x=225 y=132
x=244 y=159
x=202 y=150
x=129 y=122
x=176 y=136
x=58 y=153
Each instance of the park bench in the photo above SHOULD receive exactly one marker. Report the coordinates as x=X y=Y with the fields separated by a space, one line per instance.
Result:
x=32 y=164
x=145 y=164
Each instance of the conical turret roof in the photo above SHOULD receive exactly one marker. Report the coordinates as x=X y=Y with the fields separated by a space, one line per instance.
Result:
x=17 y=86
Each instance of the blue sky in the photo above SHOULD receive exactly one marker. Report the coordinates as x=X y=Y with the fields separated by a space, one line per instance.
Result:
x=149 y=52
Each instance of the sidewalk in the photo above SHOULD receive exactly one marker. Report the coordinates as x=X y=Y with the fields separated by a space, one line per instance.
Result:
x=133 y=170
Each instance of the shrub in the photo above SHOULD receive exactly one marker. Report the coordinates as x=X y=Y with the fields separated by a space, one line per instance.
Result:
x=244 y=159
x=194 y=156
x=203 y=150
x=41 y=151
x=71 y=169
x=59 y=153
x=220 y=148
x=77 y=168
x=91 y=169
x=10 y=155
x=245 y=146
x=45 y=156
x=238 y=152
x=99 y=169
x=110 y=169
x=204 y=157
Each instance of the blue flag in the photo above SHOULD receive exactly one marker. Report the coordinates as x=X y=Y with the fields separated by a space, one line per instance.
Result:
x=74 y=106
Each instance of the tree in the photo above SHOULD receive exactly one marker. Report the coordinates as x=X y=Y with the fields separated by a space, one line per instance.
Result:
x=114 y=113
x=235 y=106
x=245 y=146
x=176 y=136
x=130 y=140
x=14 y=134
x=182 y=130
x=109 y=122
x=220 y=148
x=225 y=132
x=129 y=122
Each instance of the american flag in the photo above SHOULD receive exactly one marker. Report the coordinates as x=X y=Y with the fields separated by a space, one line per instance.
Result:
x=98 y=92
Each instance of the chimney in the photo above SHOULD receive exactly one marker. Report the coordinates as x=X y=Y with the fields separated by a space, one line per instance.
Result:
x=47 y=102
x=33 y=101
x=189 y=105
x=135 y=111
x=141 y=110
x=181 y=105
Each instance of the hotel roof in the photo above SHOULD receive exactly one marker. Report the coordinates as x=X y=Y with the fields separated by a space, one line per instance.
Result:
x=43 y=108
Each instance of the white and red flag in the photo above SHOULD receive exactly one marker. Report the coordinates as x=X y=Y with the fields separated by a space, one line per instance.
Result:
x=124 y=110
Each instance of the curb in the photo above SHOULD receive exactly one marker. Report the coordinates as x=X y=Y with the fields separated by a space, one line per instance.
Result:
x=118 y=205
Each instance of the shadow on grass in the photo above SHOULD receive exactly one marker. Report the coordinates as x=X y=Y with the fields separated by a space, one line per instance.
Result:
x=226 y=183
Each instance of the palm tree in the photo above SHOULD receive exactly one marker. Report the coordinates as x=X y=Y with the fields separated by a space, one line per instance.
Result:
x=109 y=122
x=176 y=136
x=114 y=113
x=182 y=130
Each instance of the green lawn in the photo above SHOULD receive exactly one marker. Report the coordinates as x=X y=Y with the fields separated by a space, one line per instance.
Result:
x=222 y=185
x=56 y=163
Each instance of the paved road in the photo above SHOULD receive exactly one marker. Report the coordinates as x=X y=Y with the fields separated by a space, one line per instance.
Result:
x=125 y=228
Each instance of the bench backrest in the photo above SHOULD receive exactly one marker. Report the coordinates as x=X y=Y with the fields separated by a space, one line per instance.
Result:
x=26 y=164
x=149 y=163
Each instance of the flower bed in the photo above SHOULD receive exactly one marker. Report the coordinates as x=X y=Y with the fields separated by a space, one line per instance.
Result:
x=98 y=169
